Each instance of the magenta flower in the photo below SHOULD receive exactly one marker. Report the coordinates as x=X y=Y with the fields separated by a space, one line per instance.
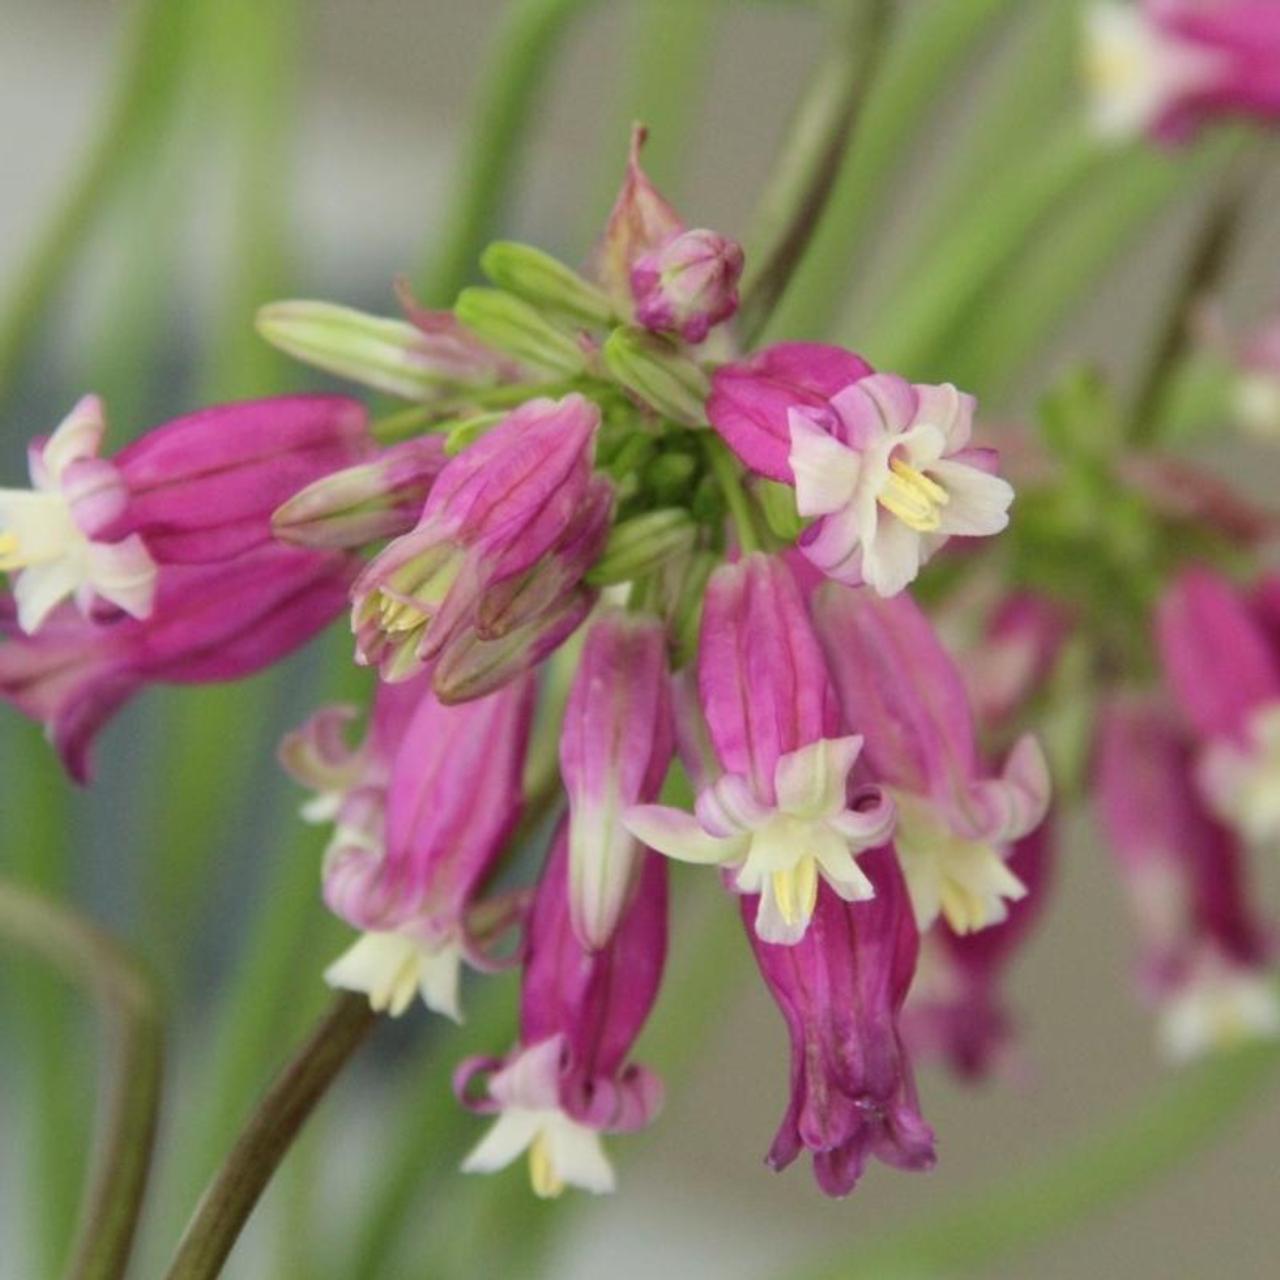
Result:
x=615 y=746
x=1162 y=67
x=688 y=284
x=197 y=490
x=422 y=811
x=956 y=823
x=781 y=813
x=210 y=623
x=506 y=534
x=841 y=990
x=568 y=1082
x=751 y=401
x=890 y=474
x=1224 y=673
x=1205 y=958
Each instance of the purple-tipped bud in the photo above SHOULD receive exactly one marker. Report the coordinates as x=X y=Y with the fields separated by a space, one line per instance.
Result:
x=687 y=285
x=568 y=1082
x=841 y=990
x=615 y=746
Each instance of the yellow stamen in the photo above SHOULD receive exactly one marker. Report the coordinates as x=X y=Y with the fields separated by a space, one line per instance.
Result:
x=400 y=615
x=547 y=1183
x=913 y=497
x=10 y=555
x=796 y=890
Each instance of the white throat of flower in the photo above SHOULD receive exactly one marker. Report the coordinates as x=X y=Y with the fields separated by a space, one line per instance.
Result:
x=392 y=967
x=965 y=881
x=562 y=1152
x=1242 y=784
x=1219 y=1008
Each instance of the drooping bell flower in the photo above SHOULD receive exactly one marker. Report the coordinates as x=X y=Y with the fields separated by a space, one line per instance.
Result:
x=841 y=989
x=688 y=284
x=210 y=623
x=957 y=822
x=781 y=814
x=196 y=490
x=1224 y=674
x=568 y=1081
x=956 y=1011
x=751 y=400
x=1205 y=957
x=425 y=810
x=615 y=746
x=495 y=517
x=890 y=474
x=1163 y=67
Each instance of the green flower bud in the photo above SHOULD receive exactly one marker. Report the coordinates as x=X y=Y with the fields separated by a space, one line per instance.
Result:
x=539 y=278
x=639 y=545
x=467 y=431
x=655 y=372
x=668 y=477
x=511 y=325
x=778 y=501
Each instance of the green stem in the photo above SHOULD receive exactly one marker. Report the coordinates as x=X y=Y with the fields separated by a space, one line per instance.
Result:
x=511 y=87
x=809 y=164
x=275 y=1123
x=1125 y=1154
x=729 y=477
x=127 y=1000
x=911 y=78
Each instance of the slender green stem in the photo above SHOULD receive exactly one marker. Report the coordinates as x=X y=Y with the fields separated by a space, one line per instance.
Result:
x=809 y=163
x=231 y=1196
x=511 y=86
x=728 y=476
x=130 y=1011
x=1127 y=1153
x=910 y=79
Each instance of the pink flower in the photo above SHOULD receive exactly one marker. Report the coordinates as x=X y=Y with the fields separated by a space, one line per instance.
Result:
x=841 y=990
x=197 y=490
x=780 y=813
x=568 y=1082
x=508 y=530
x=688 y=284
x=1163 y=67
x=956 y=822
x=1205 y=958
x=422 y=812
x=751 y=401
x=210 y=623
x=890 y=474
x=615 y=746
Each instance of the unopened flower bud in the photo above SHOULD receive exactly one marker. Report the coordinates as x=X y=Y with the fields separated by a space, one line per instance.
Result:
x=654 y=371
x=687 y=285
x=778 y=502
x=637 y=546
x=513 y=326
x=544 y=281
x=668 y=477
x=466 y=431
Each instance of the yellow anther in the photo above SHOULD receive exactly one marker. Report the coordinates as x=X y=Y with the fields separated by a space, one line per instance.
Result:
x=913 y=497
x=796 y=890
x=400 y=615
x=10 y=556
x=547 y=1183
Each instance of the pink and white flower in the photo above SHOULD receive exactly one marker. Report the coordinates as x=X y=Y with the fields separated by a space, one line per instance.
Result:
x=687 y=285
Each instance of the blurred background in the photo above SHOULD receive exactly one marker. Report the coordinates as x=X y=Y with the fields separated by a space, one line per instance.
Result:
x=167 y=168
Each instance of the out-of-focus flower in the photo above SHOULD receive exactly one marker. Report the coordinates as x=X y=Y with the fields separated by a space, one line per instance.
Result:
x=209 y=624
x=688 y=284
x=196 y=490
x=1162 y=67
x=615 y=746
x=1225 y=676
x=422 y=812
x=486 y=553
x=781 y=813
x=956 y=822
x=841 y=990
x=890 y=473
x=1205 y=957
x=568 y=1081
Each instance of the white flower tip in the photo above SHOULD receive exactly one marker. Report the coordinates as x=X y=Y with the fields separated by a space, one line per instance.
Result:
x=1219 y=1011
x=391 y=968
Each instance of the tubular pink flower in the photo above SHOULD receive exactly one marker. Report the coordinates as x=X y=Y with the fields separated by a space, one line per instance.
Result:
x=889 y=473
x=781 y=813
x=687 y=285
x=211 y=623
x=841 y=991
x=422 y=812
x=197 y=490
x=499 y=509
x=751 y=401
x=956 y=823
x=1205 y=958
x=615 y=747
x=568 y=1082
